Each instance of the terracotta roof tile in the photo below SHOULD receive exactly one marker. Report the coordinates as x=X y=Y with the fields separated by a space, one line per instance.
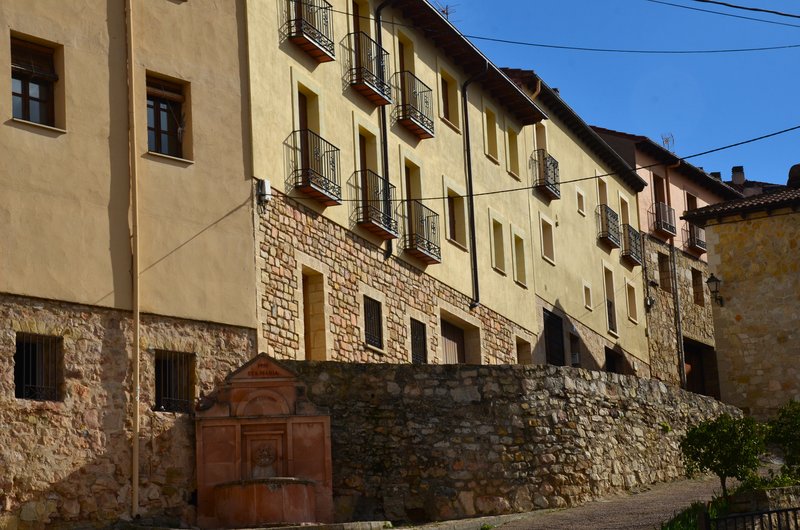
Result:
x=788 y=198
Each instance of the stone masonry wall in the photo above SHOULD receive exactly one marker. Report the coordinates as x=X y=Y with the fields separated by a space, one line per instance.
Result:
x=450 y=441
x=67 y=461
x=696 y=320
x=758 y=337
x=293 y=236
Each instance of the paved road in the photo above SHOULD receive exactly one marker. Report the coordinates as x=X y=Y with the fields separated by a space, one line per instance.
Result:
x=643 y=511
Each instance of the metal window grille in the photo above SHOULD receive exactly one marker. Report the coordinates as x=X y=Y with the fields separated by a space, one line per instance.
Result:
x=373 y=322
x=174 y=381
x=698 y=287
x=419 y=342
x=38 y=367
x=612 y=315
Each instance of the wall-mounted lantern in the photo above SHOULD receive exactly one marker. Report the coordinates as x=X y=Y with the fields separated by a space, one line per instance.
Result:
x=713 y=285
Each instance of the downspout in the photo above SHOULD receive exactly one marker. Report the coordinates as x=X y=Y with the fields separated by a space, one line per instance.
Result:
x=384 y=128
x=676 y=299
x=134 y=223
x=476 y=290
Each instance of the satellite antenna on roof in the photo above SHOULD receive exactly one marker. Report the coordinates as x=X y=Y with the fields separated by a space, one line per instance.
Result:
x=668 y=141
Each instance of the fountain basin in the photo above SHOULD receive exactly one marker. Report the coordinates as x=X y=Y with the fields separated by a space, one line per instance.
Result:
x=267 y=501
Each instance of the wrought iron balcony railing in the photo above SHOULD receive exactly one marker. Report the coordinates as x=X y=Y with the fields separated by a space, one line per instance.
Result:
x=422 y=233
x=631 y=244
x=545 y=174
x=367 y=69
x=310 y=25
x=316 y=167
x=608 y=225
x=611 y=310
x=415 y=104
x=664 y=219
x=697 y=238
x=376 y=211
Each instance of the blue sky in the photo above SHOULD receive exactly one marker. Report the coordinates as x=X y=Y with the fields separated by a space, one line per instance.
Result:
x=703 y=101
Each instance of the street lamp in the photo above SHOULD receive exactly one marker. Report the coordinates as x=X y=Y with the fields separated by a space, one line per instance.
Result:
x=713 y=285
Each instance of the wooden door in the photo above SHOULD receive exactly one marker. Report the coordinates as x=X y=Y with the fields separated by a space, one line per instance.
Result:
x=554 y=338
x=453 y=344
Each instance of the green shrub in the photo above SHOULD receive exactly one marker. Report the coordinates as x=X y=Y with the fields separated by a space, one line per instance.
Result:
x=785 y=433
x=726 y=446
x=688 y=519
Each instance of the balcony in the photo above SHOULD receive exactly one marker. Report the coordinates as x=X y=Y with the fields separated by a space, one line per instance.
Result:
x=367 y=71
x=697 y=238
x=316 y=168
x=415 y=108
x=422 y=233
x=631 y=245
x=310 y=26
x=545 y=174
x=664 y=219
x=608 y=225
x=375 y=211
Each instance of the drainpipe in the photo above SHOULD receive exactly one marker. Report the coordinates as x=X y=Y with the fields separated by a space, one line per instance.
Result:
x=384 y=135
x=134 y=220
x=676 y=299
x=476 y=291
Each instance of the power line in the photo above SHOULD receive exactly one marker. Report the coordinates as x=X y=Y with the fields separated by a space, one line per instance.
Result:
x=748 y=8
x=765 y=21
x=577 y=48
x=613 y=173
x=630 y=51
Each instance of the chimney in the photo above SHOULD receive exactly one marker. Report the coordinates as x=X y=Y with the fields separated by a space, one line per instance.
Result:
x=716 y=175
x=737 y=174
x=794 y=177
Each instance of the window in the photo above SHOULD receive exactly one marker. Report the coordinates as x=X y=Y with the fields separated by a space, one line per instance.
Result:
x=33 y=79
x=520 y=268
x=456 y=218
x=498 y=246
x=373 y=323
x=664 y=272
x=174 y=381
x=581 y=200
x=615 y=362
x=166 y=119
x=698 y=287
x=38 y=367
x=449 y=98
x=630 y=292
x=587 y=297
x=548 y=244
x=314 y=320
x=419 y=342
x=575 y=349
x=611 y=310
x=513 y=152
x=491 y=134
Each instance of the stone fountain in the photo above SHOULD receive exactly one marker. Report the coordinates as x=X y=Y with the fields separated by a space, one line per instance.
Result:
x=263 y=452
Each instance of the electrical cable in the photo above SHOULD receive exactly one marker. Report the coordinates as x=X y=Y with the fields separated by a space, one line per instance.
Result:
x=765 y=21
x=748 y=8
x=613 y=173
x=430 y=31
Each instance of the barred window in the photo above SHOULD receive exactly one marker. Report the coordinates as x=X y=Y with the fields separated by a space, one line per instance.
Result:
x=174 y=381
x=664 y=272
x=419 y=342
x=38 y=367
x=373 y=322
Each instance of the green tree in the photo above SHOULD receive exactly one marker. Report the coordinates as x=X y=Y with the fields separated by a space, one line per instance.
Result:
x=785 y=433
x=726 y=446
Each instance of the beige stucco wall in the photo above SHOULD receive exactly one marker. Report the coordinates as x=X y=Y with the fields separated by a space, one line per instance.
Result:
x=580 y=258
x=756 y=329
x=441 y=159
x=65 y=211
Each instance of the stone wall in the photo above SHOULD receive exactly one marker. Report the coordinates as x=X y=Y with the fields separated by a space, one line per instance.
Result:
x=70 y=460
x=758 y=337
x=452 y=441
x=696 y=319
x=294 y=237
